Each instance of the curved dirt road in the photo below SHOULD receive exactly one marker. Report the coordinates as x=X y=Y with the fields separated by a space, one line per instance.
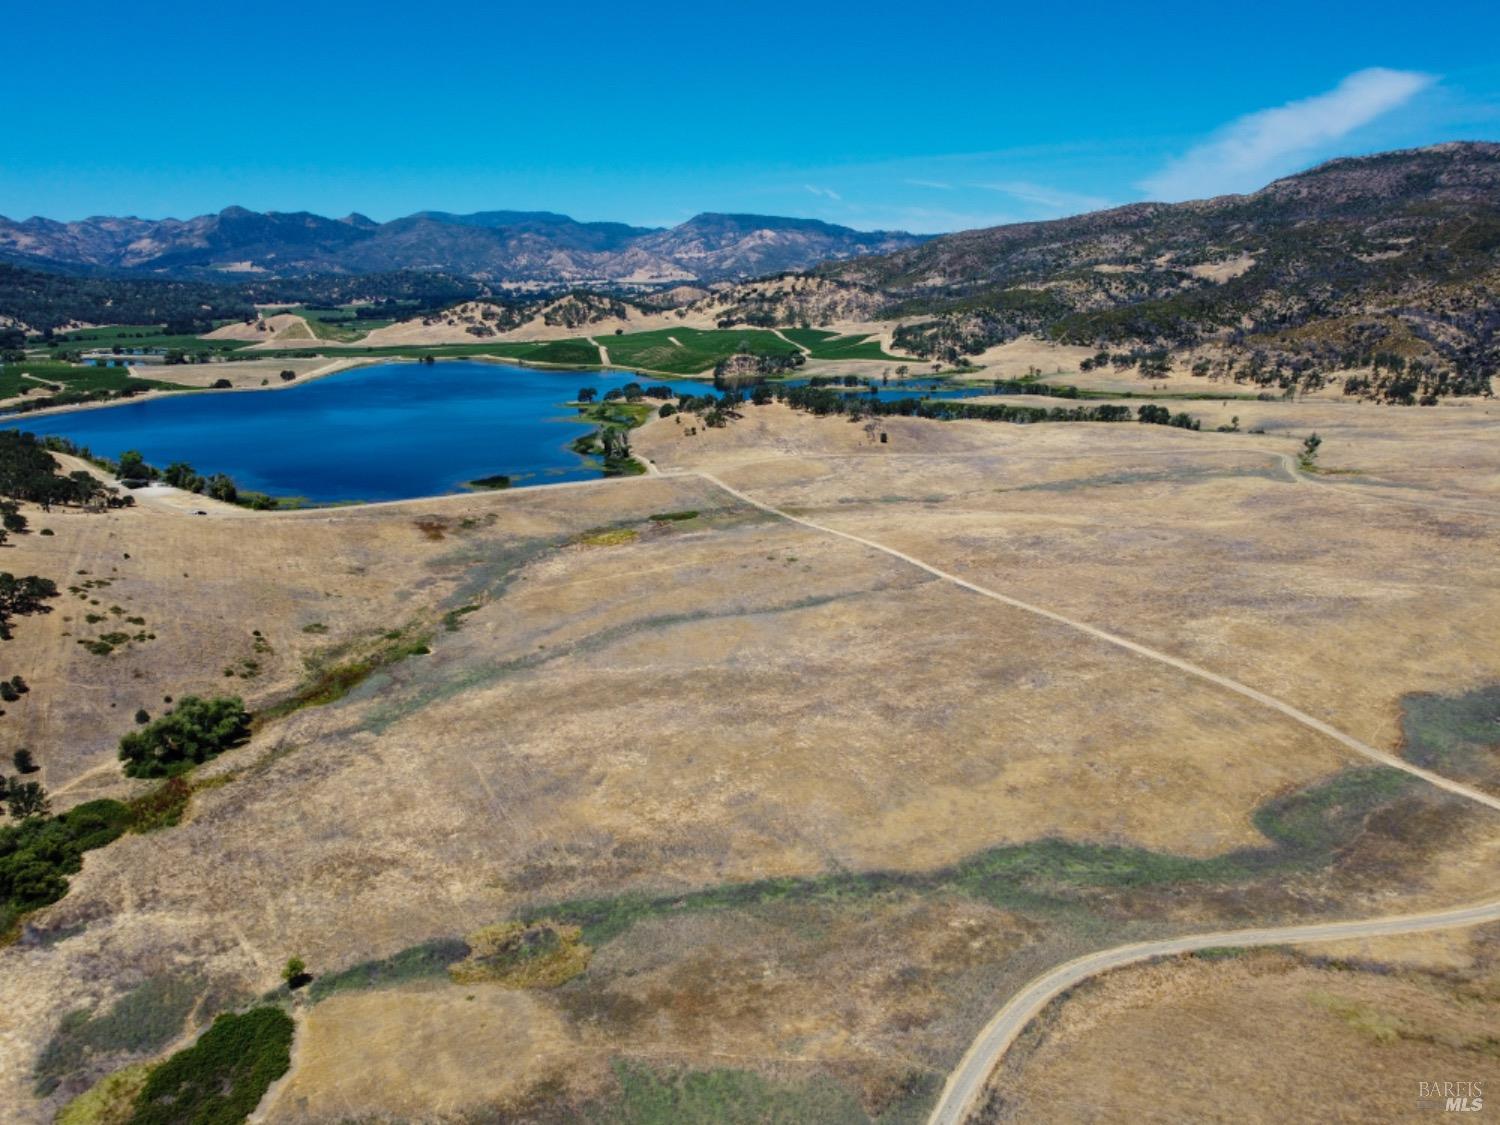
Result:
x=967 y=1082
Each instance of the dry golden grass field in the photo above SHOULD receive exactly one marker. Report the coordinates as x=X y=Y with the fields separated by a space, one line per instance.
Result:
x=787 y=818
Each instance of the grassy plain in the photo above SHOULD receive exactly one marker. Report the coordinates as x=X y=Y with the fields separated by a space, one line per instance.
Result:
x=814 y=811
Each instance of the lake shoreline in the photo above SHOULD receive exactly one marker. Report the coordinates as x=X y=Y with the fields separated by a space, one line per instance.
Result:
x=335 y=367
x=390 y=433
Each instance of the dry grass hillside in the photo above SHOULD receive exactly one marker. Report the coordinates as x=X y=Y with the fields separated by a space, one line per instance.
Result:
x=642 y=796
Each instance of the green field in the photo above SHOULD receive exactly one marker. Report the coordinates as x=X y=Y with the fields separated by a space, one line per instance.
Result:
x=564 y=353
x=71 y=376
x=694 y=352
x=829 y=345
x=141 y=337
x=699 y=348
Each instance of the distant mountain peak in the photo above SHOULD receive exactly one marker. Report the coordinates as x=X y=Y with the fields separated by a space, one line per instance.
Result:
x=503 y=246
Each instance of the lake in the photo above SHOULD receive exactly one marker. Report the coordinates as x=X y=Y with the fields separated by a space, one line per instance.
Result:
x=387 y=432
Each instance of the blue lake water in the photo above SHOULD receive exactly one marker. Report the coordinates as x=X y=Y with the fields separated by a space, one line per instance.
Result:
x=386 y=432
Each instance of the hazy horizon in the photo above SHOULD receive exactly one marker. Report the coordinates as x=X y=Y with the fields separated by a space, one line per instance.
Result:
x=962 y=119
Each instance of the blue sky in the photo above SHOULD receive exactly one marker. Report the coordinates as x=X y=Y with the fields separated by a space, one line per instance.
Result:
x=923 y=117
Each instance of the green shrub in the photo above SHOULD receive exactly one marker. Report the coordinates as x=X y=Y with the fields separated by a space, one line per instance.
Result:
x=220 y=1079
x=199 y=729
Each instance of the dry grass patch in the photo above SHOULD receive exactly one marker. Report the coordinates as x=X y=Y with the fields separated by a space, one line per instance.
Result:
x=523 y=955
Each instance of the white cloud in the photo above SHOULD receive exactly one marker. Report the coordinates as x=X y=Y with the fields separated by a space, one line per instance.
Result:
x=937 y=185
x=1056 y=201
x=826 y=193
x=1255 y=149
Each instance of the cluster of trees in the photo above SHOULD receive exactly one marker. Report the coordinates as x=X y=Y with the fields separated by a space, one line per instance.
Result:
x=49 y=301
x=54 y=300
x=21 y=597
x=38 y=854
x=194 y=731
x=630 y=392
x=1415 y=382
x=133 y=471
x=220 y=486
x=1160 y=416
x=1154 y=363
x=29 y=472
x=818 y=400
x=580 y=307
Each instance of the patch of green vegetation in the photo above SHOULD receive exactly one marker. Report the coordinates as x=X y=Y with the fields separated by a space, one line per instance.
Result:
x=37 y=855
x=1454 y=734
x=700 y=349
x=454 y=617
x=490 y=483
x=141 y=1022
x=1366 y=1020
x=163 y=807
x=650 y=1096
x=675 y=517
x=808 y=337
x=110 y=1101
x=565 y=353
x=1305 y=829
x=1223 y=952
x=862 y=345
x=220 y=1079
x=616 y=413
x=608 y=537
x=428 y=961
x=332 y=681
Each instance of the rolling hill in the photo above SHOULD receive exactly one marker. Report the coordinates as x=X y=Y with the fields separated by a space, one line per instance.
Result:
x=1390 y=262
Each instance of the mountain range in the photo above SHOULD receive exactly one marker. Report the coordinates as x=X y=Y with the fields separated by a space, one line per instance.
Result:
x=498 y=246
